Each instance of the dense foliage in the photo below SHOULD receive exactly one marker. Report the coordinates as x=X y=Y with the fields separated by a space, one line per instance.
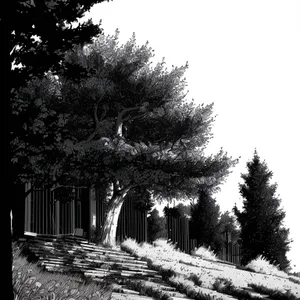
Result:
x=34 y=37
x=123 y=123
x=204 y=226
x=261 y=220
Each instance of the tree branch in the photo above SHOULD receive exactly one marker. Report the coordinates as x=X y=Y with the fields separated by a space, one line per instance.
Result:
x=97 y=121
x=120 y=120
x=65 y=186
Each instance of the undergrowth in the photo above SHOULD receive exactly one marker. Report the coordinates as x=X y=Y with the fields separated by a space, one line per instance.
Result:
x=273 y=294
x=204 y=253
x=294 y=280
x=31 y=282
x=188 y=288
x=262 y=265
x=146 y=290
x=195 y=279
x=225 y=286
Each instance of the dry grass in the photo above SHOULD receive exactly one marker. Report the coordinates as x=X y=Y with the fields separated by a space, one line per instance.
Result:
x=166 y=259
x=262 y=265
x=31 y=282
x=273 y=293
x=203 y=252
x=146 y=289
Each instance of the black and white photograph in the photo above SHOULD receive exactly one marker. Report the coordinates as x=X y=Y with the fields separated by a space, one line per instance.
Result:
x=150 y=149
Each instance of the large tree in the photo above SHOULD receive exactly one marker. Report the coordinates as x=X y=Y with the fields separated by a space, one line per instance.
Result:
x=204 y=225
x=128 y=124
x=261 y=220
x=34 y=37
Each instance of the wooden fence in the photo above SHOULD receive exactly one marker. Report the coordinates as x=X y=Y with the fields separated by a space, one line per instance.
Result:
x=231 y=253
x=178 y=232
x=44 y=214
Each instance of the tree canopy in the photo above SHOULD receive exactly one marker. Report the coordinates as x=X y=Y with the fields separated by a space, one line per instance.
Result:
x=123 y=123
x=261 y=220
x=34 y=37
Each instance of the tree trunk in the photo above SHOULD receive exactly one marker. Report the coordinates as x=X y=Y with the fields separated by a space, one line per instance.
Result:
x=18 y=211
x=6 y=21
x=109 y=229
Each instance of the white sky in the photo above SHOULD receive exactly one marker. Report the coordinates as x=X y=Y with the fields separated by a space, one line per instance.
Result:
x=245 y=57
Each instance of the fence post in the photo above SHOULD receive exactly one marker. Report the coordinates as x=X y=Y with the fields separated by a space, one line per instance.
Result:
x=57 y=217
x=27 y=208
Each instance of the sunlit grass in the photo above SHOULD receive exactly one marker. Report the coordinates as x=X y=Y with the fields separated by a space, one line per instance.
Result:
x=262 y=265
x=165 y=258
x=204 y=253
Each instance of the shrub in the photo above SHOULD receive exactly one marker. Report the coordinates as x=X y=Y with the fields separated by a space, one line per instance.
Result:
x=225 y=286
x=294 y=280
x=273 y=294
x=262 y=265
x=195 y=279
x=188 y=287
x=165 y=244
x=204 y=253
x=146 y=290
x=222 y=284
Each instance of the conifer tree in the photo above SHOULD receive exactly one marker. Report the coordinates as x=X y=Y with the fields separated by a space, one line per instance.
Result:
x=204 y=224
x=124 y=124
x=261 y=220
x=34 y=38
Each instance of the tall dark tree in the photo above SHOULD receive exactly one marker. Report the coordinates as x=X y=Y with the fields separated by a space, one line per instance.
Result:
x=124 y=124
x=204 y=225
x=156 y=226
x=261 y=220
x=34 y=37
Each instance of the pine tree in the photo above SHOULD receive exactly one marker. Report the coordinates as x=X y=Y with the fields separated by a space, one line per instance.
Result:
x=124 y=124
x=204 y=224
x=262 y=231
x=34 y=37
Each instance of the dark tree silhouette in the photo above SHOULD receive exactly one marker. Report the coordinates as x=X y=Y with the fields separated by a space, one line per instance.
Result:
x=124 y=124
x=34 y=37
x=204 y=226
x=261 y=220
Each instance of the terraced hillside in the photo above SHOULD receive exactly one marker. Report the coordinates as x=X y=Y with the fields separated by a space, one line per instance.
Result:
x=129 y=276
x=202 y=278
x=155 y=272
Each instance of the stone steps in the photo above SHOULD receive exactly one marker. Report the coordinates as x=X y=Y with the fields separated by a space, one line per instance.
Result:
x=77 y=256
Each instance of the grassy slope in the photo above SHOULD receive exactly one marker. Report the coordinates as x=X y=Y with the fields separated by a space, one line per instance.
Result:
x=167 y=258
